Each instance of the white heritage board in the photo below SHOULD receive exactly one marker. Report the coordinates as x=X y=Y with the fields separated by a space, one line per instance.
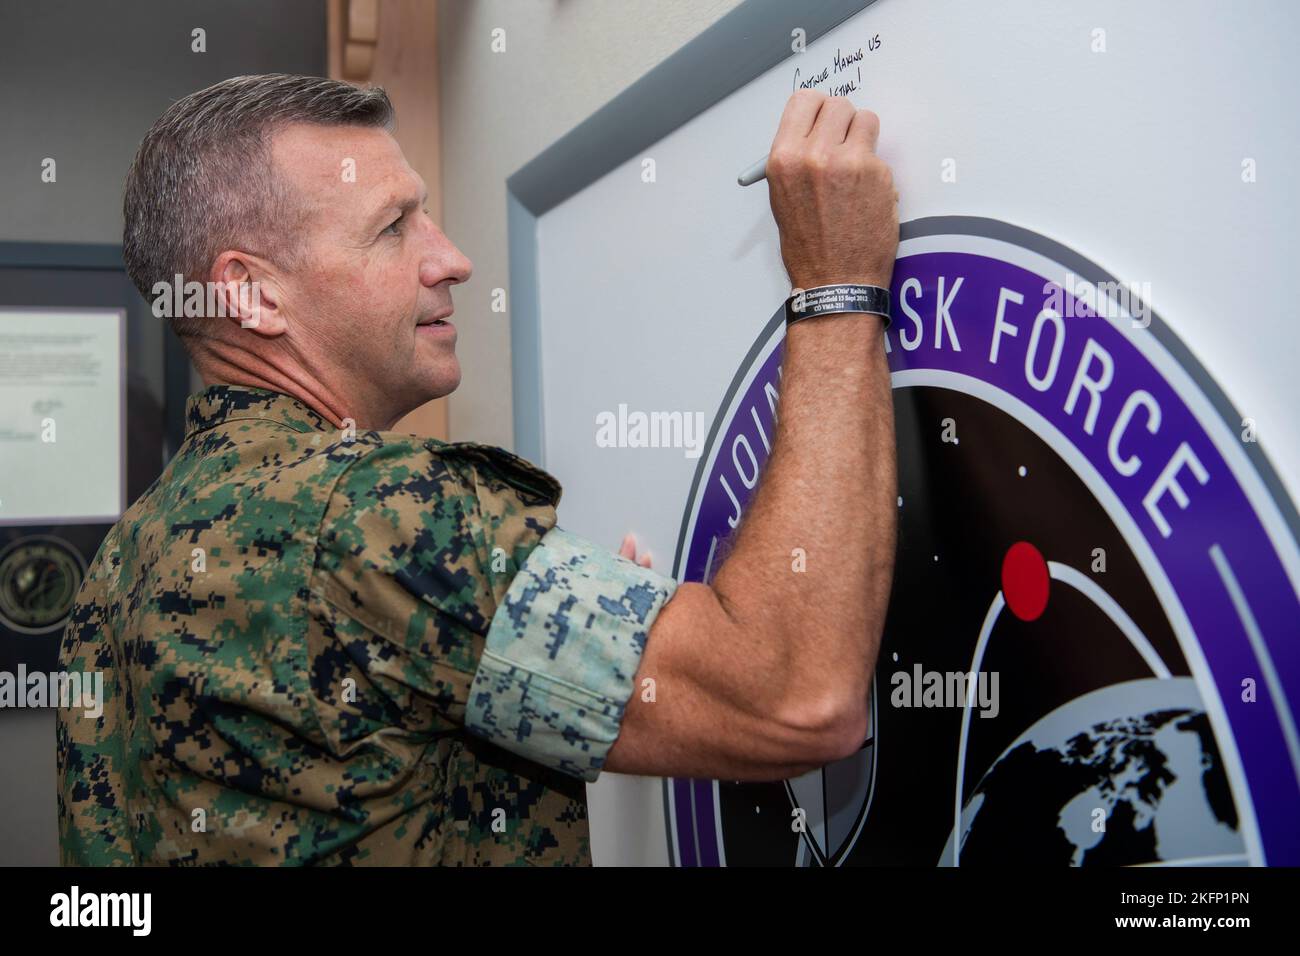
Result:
x=1146 y=143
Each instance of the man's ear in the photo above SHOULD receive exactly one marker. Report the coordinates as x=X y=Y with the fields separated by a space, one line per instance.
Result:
x=248 y=294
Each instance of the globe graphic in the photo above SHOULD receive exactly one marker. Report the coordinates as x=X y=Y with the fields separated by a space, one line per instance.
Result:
x=1099 y=782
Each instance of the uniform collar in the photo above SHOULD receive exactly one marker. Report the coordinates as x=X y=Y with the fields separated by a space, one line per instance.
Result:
x=218 y=404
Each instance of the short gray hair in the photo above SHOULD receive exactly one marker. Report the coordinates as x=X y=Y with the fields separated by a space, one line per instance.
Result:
x=203 y=180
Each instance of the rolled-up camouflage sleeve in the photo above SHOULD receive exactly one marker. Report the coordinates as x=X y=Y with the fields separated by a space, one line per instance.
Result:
x=445 y=596
x=562 y=652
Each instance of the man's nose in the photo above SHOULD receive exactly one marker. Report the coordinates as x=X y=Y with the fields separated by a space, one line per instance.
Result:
x=444 y=261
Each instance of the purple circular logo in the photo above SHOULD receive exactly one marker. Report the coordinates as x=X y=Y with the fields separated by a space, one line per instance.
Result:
x=1093 y=638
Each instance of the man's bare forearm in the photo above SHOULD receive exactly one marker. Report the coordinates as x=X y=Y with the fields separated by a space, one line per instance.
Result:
x=765 y=671
x=829 y=488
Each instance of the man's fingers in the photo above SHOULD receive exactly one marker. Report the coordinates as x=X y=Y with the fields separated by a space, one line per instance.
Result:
x=628 y=550
x=833 y=122
x=865 y=129
x=799 y=116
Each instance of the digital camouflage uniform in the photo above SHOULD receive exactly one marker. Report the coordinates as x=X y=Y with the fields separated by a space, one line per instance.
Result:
x=343 y=649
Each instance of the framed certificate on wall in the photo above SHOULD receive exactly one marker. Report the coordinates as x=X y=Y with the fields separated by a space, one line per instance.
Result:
x=63 y=388
x=92 y=401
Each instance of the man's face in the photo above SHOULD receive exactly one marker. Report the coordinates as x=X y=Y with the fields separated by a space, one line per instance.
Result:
x=376 y=269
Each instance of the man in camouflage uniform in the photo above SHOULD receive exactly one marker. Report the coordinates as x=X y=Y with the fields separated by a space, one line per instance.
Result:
x=329 y=645
x=325 y=641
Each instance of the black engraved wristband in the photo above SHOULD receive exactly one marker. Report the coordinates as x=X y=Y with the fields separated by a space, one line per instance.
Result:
x=830 y=299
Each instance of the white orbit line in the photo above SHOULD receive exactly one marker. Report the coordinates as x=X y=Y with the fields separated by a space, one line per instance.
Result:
x=986 y=631
x=717 y=824
x=1081 y=582
x=1251 y=627
x=1091 y=590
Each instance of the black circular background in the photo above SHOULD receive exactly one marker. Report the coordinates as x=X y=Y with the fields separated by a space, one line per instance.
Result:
x=967 y=503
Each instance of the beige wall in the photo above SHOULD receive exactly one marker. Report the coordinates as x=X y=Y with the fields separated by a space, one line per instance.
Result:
x=563 y=60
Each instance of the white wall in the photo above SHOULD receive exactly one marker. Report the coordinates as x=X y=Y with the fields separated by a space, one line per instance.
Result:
x=563 y=60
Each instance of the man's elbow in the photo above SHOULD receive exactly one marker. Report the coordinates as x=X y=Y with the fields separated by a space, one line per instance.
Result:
x=830 y=727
